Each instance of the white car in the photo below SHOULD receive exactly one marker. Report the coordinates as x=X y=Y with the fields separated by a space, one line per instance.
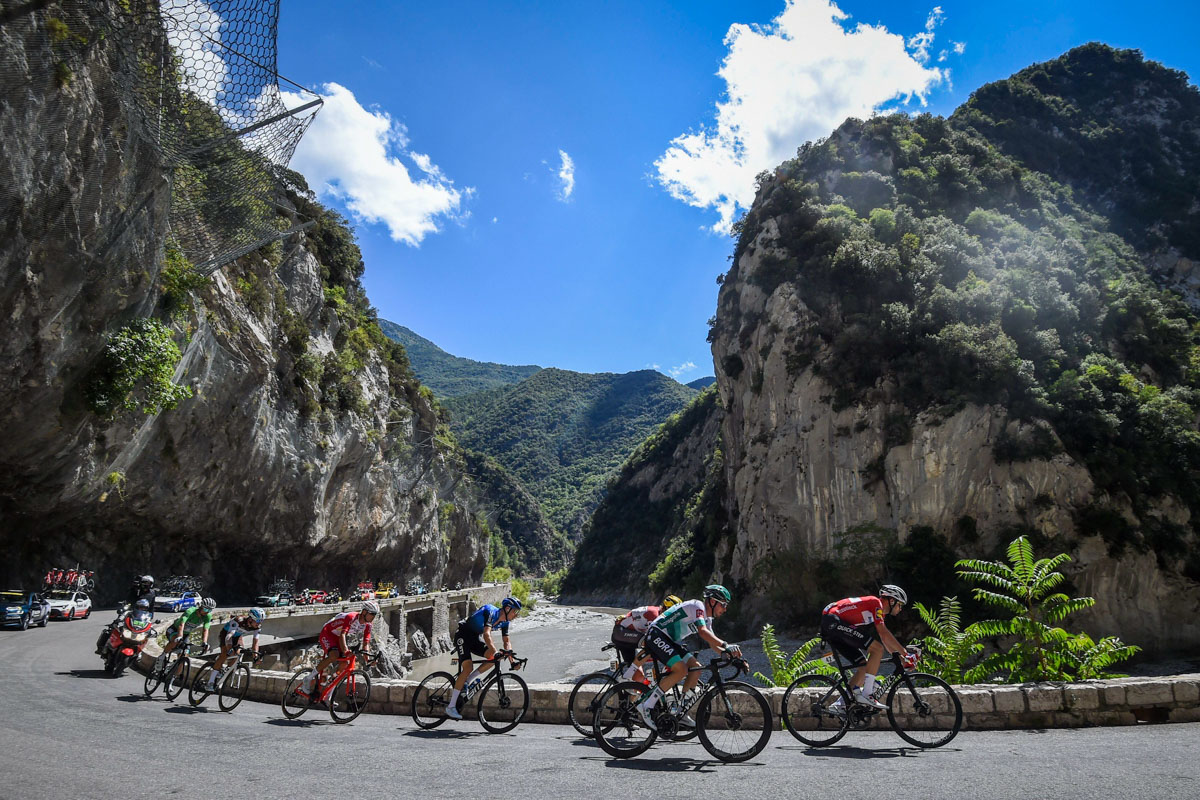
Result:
x=177 y=603
x=66 y=604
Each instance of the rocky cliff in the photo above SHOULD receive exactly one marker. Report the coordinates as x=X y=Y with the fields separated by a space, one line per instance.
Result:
x=306 y=447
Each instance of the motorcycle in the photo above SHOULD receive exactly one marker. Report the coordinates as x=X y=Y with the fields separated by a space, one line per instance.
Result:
x=125 y=642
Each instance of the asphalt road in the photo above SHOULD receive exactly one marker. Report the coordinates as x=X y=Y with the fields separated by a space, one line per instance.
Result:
x=67 y=731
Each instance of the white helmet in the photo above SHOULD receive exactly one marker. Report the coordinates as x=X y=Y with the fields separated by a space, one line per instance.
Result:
x=893 y=591
x=257 y=614
x=370 y=607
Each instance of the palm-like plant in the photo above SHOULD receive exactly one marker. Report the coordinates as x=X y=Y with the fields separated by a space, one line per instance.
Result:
x=784 y=670
x=948 y=648
x=1024 y=587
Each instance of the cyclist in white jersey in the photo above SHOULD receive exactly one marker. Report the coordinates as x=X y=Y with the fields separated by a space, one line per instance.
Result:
x=663 y=639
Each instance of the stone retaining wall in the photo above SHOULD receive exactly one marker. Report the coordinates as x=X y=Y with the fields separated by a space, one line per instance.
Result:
x=1122 y=701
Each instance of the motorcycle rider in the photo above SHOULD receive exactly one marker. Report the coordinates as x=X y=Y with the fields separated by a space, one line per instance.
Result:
x=142 y=589
x=141 y=605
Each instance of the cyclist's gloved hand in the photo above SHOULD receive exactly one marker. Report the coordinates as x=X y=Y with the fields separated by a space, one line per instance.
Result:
x=733 y=650
x=909 y=660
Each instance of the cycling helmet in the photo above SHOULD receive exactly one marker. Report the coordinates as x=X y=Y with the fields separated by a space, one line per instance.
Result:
x=370 y=607
x=511 y=602
x=146 y=579
x=717 y=592
x=670 y=600
x=208 y=604
x=143 y=604
x=893 y=591
x=257 y=614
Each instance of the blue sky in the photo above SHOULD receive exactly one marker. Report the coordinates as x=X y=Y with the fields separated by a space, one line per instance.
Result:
x=539 y=182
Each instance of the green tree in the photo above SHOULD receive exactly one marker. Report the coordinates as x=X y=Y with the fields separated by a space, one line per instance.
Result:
x=948 y=647
x=786 y=669
x=136 y=370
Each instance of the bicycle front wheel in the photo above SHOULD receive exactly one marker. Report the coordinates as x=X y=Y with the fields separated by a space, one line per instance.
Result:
x=431 y=699
x=814 y=710
x=617 y=725
x=199 y=690
x=503 y=703
x=153 y=681
x=734 y=721
x=585 y=699
x=294 y=702
x=350 y=697
x=233 y=688
x=177 y=677
x=924 y=710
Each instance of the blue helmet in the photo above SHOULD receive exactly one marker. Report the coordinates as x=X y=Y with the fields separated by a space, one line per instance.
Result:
x=511 y=602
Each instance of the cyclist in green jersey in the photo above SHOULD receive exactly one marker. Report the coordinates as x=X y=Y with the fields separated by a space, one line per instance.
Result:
x=198 y=616
x=663 y=639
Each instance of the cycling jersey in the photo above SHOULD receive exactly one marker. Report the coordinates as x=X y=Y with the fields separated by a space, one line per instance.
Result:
x=191 y=619
x=640 y=618
x=682 y=620
x=237 y=628
x=857 y=610
x=349 y=623
x=486 y=616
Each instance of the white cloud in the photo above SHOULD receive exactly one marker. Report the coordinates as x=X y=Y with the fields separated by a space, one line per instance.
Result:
x=194 y=31
x=358 y=156
x=682 y=369
x=566 y=176
x=921 y=42
x=789 y=82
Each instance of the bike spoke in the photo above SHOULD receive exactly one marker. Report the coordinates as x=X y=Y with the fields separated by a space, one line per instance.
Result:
x=734 y=722
x=503 y=703
x=924 y=710
x=431 y=699
x=350 y=696
x=814 y=710
x=585 y=699
x=618 y=727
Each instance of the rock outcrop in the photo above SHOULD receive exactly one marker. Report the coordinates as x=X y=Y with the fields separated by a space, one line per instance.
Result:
x=240 y=482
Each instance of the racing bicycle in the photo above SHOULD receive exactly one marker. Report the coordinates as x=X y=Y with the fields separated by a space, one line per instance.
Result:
x=585 y=697
x=232 y=682
x=173 y=675
x=503 y=696
x=922 y=708
x=346 y=694
x=733 y=719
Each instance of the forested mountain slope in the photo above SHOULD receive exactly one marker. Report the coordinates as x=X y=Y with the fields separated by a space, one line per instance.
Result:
x=449 y=375
x=563 y=433
x=926 y=345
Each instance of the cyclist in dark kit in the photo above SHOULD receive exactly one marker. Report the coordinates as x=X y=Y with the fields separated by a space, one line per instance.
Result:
x=474 y=638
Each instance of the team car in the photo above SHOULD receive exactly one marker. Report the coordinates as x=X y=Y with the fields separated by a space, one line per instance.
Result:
x=177 y=603
x=23 y=608
x=65 y=604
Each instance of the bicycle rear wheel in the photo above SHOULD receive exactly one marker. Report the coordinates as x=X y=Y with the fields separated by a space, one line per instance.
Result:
x=431 y=699
x=585 y=699
x=233 y=689
x=294 y=703
x=350 y=696
x=734 y=721
x=199 y=690
x=814 y=710
x=617 y=725
x=177 y=677
x=503 y=703
x=924 y=710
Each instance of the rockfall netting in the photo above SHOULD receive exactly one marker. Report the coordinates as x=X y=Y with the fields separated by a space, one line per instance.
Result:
x=201 y=82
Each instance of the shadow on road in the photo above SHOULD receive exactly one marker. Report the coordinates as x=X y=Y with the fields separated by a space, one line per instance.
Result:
x=449 y=734
x=85 y=673
x=135 y=698
x=661 y=764
x=298 y=723
x=189 y=710
x=853 y=752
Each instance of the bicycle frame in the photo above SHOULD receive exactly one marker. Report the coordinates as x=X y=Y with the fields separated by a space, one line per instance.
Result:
x=497 y=660
x=349 y=662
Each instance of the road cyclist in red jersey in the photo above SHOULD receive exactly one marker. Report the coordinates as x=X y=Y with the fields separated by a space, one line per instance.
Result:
x=345 y=631
x=855 y=624
x=628 y=632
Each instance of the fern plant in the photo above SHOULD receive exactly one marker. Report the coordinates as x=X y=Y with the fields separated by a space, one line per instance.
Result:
x=948 y=648
x=784 y=670
x=1040 y=649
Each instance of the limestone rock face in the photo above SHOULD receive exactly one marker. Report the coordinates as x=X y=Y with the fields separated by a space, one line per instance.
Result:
x=802 y=473
x=235 y=485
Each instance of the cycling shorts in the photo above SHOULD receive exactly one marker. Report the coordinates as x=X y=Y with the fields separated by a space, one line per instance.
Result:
x=663 y=648
x=848 y=640
x=467 y=643
x=329 y=641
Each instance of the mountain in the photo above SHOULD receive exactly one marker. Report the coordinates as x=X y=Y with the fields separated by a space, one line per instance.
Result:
x=701 y=384
x=239 y=426
x=562 y=433
x=452 y=376
x=938 y=334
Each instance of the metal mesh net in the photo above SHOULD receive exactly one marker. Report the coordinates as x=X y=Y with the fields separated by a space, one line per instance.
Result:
x=200 y=79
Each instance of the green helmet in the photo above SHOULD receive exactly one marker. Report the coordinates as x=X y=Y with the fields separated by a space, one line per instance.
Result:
x=717 y=591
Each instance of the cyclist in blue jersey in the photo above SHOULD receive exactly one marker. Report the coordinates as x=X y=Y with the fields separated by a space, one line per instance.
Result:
x=232 y=633
x=474 y=638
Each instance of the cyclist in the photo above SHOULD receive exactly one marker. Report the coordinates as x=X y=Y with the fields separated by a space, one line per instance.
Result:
x=343 y=632
x=630 y=629
x=857 y=623
x=663 y=639
x=231 y=637
x=195 y=617
x=474 y=637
